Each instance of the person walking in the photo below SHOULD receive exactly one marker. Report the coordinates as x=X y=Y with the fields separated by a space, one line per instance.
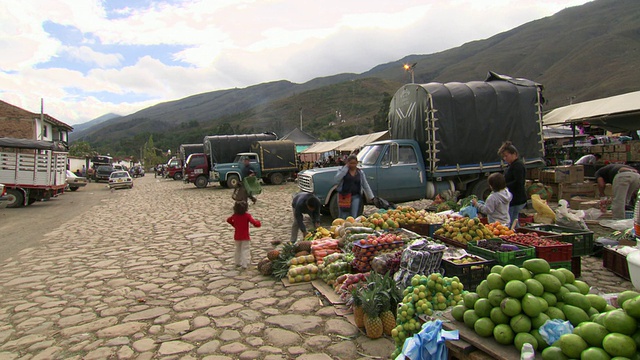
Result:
x=514 y=176
x=352 y=184
x=496 y=207
x=625 y=182
x=246 y=171
x=304 y=203
x=240 y=221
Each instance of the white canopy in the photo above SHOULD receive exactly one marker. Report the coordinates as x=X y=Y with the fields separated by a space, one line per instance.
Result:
x=616 y=113
x=349 y=144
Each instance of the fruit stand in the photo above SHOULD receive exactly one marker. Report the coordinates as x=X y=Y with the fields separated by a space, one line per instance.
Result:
x=498 y=287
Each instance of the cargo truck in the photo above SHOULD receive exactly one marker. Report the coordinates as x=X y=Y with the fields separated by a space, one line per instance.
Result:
x=31 y=170
x=444 y=137
x=272 y=161
x=218 y=149
x=175 y=165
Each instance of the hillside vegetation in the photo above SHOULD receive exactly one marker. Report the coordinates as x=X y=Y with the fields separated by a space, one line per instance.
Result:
x=581 y=53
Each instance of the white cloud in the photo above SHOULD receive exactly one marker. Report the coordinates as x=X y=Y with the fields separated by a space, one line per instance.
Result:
x=226 y=44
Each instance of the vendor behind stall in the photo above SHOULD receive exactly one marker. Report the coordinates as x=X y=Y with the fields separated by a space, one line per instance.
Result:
x=625 y=181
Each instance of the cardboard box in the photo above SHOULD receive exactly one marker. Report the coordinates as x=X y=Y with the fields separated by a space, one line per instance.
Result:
x=533 y=174
x=584 y=189
x=621 y=148
x=583 y=202
x=547 y=176
x=597 y=149
x=569 y=174
x=609 y=148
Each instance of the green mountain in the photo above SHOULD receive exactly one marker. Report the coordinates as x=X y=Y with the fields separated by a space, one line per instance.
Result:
x=579 y=54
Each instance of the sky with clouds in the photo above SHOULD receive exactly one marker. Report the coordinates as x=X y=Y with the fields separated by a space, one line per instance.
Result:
x=90 y=57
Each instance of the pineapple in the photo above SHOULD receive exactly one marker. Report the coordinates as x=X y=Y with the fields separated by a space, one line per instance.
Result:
x=273 y=254
x=303 y=246
x=280 y=265
x=388 y=320
x=358 y=314
x=265 y=267
x=371 y=308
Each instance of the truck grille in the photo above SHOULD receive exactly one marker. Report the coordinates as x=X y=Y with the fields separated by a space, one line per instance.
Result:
x=305 y=182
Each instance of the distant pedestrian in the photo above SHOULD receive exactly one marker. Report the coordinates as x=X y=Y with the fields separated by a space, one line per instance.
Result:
x=247 y=172
x=240 y=221
x=352 y=186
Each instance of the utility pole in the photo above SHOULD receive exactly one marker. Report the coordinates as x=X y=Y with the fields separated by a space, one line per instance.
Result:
x=300 y=119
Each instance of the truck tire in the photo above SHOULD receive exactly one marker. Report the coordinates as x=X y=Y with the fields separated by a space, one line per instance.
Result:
x=73 y=188
x=481 y=189
x=177 y=176
x=334 y=211
x=201 y=182
x=15 y=198
x=233 y=181
x=276 y=178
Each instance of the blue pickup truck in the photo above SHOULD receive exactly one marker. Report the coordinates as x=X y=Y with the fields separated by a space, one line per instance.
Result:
x=444 y=137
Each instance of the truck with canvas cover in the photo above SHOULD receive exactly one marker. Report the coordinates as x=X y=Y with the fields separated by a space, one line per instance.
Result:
x=176 y=164
x=31 y=170
x=218 y=149
x=445 y=137
x=272 y=161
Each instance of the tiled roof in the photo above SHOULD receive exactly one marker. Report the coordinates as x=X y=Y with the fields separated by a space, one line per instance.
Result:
x=12 y=111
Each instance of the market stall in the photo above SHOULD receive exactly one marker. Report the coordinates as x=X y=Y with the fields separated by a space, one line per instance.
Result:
x=403 y=272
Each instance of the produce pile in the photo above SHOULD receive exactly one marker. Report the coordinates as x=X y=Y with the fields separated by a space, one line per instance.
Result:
x=464 y=230
x=513 y=303
x=425 y=294
x=532 y=239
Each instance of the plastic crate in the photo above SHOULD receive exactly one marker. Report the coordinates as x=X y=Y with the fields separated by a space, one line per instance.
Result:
x=561 y=264
x=422 y=229
x=471 y=274
x=450 y=241
x=582 y=240
x=615 y=262
x=517 y=257
x=552 y=253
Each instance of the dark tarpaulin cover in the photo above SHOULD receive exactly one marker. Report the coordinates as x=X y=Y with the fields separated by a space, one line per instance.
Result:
x=278 y=154
x=473 y=119
x=27 y=144
x=223 y=148
x=188 y=149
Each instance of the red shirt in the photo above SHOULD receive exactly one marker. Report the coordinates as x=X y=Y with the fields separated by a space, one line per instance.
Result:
x=241 y=224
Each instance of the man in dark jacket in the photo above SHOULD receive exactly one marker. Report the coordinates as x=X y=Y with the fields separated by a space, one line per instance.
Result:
x=304 y=203
x=247 y=171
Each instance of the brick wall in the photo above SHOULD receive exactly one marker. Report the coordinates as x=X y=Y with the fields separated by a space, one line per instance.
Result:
x=17 y=128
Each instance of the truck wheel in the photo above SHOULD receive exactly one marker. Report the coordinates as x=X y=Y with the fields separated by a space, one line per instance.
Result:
x=73 y=188
x=177 y=176
x=15 y=198
x=201 y=182
x=276 y=178
x=481 y=189
x=233 y=181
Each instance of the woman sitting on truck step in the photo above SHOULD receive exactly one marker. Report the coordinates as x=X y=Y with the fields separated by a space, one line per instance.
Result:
x=352 y=183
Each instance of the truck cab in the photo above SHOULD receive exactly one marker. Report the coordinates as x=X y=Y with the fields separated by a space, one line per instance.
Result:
x=394 y=170
x=174 y=169
x=196 y=170
x=230 y=174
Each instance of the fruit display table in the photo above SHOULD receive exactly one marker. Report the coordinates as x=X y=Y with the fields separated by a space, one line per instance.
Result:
x=488 y=347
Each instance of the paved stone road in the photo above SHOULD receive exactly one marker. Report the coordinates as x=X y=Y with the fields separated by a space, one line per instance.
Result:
x=159 y=282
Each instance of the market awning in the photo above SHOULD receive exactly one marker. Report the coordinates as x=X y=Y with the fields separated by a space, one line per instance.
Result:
x=358 y=141
x=322 y=147
x=616 y=113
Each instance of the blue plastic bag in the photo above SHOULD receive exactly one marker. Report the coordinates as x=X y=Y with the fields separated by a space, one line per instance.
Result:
x=551 y=330
x=429 y=343
x=469 y=211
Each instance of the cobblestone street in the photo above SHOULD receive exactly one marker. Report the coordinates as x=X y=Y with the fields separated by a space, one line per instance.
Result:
x=149 y=274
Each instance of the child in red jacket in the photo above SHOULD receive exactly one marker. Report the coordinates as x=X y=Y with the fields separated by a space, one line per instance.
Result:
x=240 y=221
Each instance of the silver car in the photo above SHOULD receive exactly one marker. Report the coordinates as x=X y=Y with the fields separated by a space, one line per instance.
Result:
x=120 y=179
x=75 y=182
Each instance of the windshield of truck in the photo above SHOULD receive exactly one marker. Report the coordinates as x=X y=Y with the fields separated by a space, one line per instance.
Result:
x=105 y=168
x=369 y=154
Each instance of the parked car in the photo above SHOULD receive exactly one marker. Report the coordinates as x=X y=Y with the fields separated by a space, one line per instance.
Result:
x=74 y=182
x=120 y=179
x=103 y=172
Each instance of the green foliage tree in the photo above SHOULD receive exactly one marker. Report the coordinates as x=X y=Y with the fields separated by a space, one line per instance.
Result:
x=380 y=118
x=81 y=149
x=150 y=154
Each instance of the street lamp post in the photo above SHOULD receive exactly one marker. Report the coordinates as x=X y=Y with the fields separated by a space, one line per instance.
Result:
x=410 y=68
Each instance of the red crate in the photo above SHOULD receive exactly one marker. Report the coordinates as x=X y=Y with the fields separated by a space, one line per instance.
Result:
x=553 y=253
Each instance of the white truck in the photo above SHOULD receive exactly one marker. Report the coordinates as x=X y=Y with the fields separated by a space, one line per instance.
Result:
x=31 y=170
